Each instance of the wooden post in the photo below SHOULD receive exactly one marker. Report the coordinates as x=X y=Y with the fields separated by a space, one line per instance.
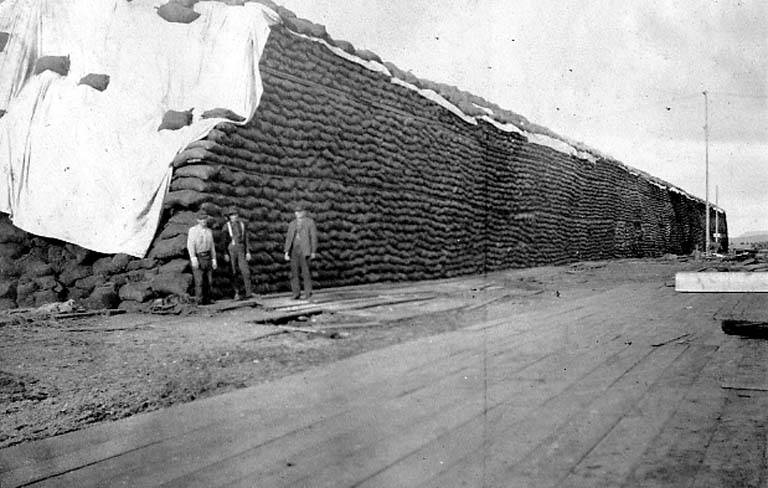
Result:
x=706 y=172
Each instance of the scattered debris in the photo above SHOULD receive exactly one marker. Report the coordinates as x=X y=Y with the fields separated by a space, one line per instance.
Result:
x=235 y=304
x=305 y=330
x=172 y=305
x=284 y=316
x=47 y=309
x=286 y=329
x=351 y=325
x=56 y=311
x=60 y=307
x=497 y=299
x=674 y=339
x=745 y=387
x=89 y=313
x=339 y=335
x=331 y=335
x=110 y=329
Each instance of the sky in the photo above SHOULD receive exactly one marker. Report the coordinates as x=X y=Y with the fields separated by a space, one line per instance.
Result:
x=623 y=77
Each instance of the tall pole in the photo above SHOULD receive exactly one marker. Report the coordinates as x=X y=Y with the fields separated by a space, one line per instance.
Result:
x=706 y=171
x=717 y=215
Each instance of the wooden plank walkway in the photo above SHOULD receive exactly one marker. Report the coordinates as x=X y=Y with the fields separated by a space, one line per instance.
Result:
x=615 y=388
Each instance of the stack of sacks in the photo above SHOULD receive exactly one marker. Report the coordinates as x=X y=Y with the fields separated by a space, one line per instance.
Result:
x=94 y=131
x=36 y=270
x=395 y=197
x=401 y=188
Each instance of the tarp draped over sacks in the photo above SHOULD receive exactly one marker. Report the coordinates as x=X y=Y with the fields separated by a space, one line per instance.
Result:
x=90 y=167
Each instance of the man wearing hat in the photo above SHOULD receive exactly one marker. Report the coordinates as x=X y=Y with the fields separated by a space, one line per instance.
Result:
x=301 y=245
x=202 y=255
x=238 y=253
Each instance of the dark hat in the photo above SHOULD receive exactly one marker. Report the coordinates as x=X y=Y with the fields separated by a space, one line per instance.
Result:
x=201 y=215
x=231 y=211
x=298 y=207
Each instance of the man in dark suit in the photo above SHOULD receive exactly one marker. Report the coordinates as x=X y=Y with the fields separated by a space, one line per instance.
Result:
x=300 y=247
x=238 y=252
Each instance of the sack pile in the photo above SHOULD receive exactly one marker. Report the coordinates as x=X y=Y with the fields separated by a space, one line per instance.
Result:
x=36 y=270
x=400 y=189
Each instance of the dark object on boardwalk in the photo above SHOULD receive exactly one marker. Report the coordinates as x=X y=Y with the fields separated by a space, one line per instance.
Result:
x=745 y=328
x=96 y=81
x=3 y=40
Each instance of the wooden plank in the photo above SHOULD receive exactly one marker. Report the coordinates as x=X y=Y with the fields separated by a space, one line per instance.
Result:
x=415 y=413
x=283 y=315
x=178 y=441
x=43 y=458
x=609 y=462
x=483 y=463
x=46 y=458
x=476 y=440
x=235 y=304
x=360 y=304
x=135 y=465
x=530 y=397
x=674 y=455
x=404 y=459
x=748 y=307
x=90 y=313
x=321 y=455
x=538 y=449
x=726 y=282
x=554 y=457
x=735 y=455
x=303 y=308
x=105 y=441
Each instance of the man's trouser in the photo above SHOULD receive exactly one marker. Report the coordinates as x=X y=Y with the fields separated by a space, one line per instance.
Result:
x=238 y=262
x=203 y=277
x=299 y=260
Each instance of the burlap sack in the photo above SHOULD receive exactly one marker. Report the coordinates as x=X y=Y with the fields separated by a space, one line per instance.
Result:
x=193 y=154
x=173 y=12
x=174 y=120
x=223 y=113
x=96 y=81
x=57 y=64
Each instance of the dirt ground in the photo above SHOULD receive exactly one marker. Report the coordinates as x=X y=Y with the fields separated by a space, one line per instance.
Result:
x=60 y=376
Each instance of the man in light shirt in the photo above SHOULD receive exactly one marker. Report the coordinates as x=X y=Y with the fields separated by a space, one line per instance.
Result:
x=202 y=255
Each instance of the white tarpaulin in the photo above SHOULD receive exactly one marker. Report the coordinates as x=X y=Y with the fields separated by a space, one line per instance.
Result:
x=90 y=167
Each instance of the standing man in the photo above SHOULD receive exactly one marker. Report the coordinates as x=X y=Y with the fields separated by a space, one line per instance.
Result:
x=301 y=245
x=202 y=255
x=238 y=253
